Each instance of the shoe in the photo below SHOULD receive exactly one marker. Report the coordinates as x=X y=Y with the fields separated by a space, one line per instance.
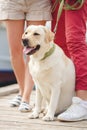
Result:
x=16 y=101
x=24 y=107
x=76 y=112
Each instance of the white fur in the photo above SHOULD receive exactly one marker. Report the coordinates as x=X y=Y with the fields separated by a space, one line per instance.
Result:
x=54 y=76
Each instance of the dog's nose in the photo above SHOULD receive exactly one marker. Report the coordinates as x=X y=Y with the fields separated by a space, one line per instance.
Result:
x=25 y=42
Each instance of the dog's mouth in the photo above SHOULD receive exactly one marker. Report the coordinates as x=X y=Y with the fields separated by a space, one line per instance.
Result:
x=31 y=50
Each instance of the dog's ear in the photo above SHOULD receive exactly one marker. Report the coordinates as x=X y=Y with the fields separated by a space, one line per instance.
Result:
x=49 y=35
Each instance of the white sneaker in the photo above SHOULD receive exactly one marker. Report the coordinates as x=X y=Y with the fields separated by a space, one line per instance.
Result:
x=24 y=107
x=76 y=112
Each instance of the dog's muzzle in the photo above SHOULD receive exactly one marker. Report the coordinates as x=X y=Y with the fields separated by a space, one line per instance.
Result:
x=25 y=42
x=28 y=50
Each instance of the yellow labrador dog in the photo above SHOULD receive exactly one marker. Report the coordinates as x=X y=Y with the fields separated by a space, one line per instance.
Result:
x=52 y=71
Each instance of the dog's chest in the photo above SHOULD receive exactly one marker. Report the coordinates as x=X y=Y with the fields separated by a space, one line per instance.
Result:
x=40 y=73
x=35 y=69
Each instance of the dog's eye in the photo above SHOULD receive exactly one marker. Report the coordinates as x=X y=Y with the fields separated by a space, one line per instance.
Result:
x=25 y=32
x=36 y=34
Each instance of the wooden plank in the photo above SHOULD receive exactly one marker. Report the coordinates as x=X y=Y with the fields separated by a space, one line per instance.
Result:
x=24 y=119
x=12 y=119
x=36 y=126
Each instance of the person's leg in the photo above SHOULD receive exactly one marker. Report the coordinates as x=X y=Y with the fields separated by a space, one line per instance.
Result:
x=15 y=30
x=75 y=38
x=28 y=79
x=77 y=46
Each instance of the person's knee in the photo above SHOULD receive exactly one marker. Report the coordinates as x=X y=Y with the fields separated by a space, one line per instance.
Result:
x=16 y=55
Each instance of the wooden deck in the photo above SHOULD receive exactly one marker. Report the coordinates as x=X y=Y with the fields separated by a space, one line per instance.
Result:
x=12 y=119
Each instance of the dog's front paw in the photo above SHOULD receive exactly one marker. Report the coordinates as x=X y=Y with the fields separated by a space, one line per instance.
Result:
x=34 y=115
x=48 y=118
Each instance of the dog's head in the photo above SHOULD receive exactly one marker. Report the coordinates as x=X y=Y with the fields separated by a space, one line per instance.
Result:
x=36 y=38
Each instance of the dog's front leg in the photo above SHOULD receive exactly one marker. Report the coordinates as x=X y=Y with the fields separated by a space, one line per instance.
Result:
x=53 y=103
x=37 y=109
